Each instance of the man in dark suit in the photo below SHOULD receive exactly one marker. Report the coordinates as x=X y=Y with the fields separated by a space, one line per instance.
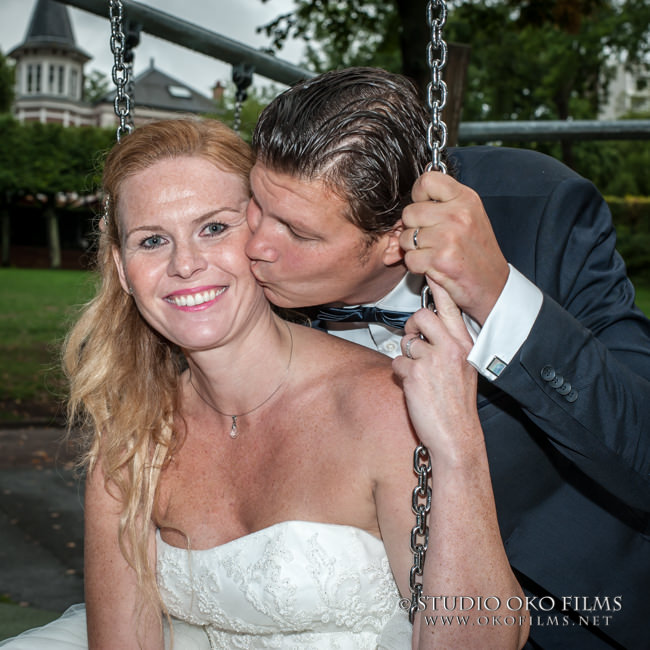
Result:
x=526 y=248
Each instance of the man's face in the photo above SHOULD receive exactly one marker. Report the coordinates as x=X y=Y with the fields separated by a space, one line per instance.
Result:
x=304 y=251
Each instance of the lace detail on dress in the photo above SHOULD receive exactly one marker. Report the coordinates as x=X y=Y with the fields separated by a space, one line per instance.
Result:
x=293 y=585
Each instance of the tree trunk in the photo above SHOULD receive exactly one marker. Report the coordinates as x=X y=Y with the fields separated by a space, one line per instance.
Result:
x=6 y=236
x=53 y=242
x=562 y=105
x=455 y=76
x=413 y=41
x=415 y=37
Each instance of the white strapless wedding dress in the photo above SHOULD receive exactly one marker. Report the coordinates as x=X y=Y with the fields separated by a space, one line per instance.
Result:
x=294 y=585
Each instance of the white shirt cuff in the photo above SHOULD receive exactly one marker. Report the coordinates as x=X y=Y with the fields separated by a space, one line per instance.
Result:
x=506 y=327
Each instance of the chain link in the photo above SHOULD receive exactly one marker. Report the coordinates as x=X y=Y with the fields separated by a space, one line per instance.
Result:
x=420 y=532
x=122 y=103
x=242 y=75
x=236 y=122
x=437 y=88
x=421 y=506
x=436 y=141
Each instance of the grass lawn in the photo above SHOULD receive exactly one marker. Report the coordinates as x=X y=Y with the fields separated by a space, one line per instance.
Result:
x=36 y=307
x=15 y=619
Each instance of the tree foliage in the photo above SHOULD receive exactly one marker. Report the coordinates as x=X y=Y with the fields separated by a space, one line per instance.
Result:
x=96 y=86
x=390 y=34
x=48 y=158
x=53 y=165
x=546 y=59
x=6 y=84
x=530 y=59
x=550 y=59
x=257 y=98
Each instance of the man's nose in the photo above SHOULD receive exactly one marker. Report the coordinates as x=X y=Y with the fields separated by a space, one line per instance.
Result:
x=260 y=246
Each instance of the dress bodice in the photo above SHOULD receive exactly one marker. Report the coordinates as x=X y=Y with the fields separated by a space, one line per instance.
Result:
x=295 y=584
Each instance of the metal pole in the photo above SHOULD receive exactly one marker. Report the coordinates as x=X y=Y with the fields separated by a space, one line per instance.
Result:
x=179 y=31
x=546 y=130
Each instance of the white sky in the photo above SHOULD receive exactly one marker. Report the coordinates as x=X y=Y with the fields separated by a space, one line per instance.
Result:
x=236 y=19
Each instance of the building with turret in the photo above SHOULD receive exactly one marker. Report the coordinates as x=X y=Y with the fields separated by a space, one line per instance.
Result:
x=50 y=79
x=50 y=70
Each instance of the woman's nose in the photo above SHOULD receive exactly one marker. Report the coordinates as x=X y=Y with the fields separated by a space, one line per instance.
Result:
x=186 y=259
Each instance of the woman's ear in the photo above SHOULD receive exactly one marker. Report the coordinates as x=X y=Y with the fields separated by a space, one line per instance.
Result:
x=393 y=252
x=119 y=265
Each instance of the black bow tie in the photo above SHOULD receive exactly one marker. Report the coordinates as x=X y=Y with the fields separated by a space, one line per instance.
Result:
x=362 y=315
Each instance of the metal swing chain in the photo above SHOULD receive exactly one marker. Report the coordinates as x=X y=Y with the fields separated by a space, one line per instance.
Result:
x=421 y=504
x=437 y=88
x=122 y=103
x=436 y=141
x=239 y=101
x=242 y=75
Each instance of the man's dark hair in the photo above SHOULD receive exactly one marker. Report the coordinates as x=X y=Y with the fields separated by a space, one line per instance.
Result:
x=362 y=131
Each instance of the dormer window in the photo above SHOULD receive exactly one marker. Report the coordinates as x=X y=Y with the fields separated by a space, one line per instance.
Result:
x=180 y=92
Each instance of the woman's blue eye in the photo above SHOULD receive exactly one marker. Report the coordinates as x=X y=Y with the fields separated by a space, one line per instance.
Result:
x=152 y=242
x=215 y=228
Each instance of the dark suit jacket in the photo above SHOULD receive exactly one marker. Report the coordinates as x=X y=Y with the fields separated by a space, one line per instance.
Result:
x=571 y=476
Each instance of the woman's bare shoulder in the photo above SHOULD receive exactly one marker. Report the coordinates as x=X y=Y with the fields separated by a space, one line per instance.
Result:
x=360 y=381
x=325 y=352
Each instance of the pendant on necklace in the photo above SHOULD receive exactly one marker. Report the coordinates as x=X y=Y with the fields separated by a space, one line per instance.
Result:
x=233 y=429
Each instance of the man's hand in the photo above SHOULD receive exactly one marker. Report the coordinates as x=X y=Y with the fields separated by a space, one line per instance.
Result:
x=456 y=246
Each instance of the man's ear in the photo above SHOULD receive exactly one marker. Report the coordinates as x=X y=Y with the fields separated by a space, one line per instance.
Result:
x=393 y=252
x=117 y=259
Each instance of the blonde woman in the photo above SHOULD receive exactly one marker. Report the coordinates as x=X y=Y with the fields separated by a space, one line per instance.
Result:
x=250 y=479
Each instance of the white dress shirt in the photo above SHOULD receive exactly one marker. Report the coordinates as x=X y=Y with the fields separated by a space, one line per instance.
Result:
x=495 y=344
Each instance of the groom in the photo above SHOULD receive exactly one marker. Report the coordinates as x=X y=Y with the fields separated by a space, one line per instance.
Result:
x=525 y=247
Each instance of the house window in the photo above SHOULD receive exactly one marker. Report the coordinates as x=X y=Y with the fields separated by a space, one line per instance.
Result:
x=33 y=78
x=50 y=80
x=61 y=80
x=179 y=91
x=74 y=83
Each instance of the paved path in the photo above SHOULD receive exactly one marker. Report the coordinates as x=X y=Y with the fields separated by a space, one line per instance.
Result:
x=41 y=520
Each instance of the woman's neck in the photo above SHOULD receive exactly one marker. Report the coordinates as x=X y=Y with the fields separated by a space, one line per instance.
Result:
x=243 y=374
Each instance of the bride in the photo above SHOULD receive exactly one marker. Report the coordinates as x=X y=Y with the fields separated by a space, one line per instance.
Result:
x=249 y=480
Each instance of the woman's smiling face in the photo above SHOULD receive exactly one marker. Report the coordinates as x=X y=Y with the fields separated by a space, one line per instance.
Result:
x=183 y=231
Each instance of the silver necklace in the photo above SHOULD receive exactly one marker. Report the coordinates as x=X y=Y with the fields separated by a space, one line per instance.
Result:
x=234 y=431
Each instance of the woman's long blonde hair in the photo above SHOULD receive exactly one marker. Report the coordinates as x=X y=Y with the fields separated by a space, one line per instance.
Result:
x=123 y=376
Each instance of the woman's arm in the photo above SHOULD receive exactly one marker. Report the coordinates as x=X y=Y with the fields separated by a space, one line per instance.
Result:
x=116 y=618
x=465 y=556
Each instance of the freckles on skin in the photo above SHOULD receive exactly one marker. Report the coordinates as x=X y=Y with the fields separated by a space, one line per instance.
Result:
x=185 y=228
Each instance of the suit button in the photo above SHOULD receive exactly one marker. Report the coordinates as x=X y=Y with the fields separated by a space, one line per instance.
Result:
x=572 y=396
x=557 y=381
x=565 y=388
x=548 y=373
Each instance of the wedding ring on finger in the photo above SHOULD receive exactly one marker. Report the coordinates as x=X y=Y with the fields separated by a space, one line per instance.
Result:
x=415 y=238
x=407 y=347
